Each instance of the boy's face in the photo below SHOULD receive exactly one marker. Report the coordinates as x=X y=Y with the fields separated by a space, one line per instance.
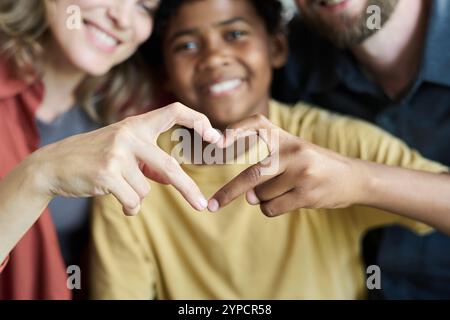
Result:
x=219 y=59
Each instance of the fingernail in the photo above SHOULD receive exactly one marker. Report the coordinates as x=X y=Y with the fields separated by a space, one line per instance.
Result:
x=226 y=141
x=213 y=205
x=252 y=198
x=213 y=135
x=221 y=142
x=202 y=203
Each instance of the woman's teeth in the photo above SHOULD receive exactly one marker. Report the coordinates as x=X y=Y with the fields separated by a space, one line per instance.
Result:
x=225 y=86
x=103 y=37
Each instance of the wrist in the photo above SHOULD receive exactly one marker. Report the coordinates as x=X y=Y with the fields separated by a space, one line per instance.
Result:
x=365 y=182
x=38 y=176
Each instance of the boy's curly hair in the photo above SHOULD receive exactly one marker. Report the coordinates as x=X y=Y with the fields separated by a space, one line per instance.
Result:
x=271 y=12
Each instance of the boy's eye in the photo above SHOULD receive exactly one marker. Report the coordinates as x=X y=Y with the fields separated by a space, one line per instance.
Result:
x=235 y=34
x=186 y=46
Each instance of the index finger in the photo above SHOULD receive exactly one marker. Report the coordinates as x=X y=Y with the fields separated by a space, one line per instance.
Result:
x=241 y=184
x=173 y=174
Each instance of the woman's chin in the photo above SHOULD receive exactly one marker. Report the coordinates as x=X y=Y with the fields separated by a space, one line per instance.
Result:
x=92 y=67
x=97 y=70
x=97 y=73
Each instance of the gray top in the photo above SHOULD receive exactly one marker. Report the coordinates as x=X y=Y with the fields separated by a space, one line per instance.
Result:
x=70 y=216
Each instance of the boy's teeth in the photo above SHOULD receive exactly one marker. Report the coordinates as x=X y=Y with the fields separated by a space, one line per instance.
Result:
x=103 y=37
x=225 y=86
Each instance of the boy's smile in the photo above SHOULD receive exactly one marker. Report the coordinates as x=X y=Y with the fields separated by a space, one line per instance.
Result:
x=219 y=58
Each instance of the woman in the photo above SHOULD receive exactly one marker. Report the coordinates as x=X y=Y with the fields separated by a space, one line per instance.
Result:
x=49 y=65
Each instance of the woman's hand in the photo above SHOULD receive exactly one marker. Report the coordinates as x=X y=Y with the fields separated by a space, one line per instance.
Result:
x=297 y=174
x=117 y=159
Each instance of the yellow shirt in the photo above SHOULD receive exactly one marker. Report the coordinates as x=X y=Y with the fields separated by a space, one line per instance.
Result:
x=171 y=251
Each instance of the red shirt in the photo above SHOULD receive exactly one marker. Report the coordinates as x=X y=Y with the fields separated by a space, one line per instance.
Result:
x=3 y=265
x=35 y=269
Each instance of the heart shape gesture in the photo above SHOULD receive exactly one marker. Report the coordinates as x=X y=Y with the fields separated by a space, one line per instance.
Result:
x=296 y=174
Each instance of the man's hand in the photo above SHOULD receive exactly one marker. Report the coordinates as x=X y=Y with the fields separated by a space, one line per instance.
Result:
x=306 y=176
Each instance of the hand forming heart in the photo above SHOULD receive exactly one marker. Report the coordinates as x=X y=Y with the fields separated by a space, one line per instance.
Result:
x=296 y=174
x=119 y=158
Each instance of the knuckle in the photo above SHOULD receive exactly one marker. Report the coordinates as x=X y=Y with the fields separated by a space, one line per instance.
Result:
x=261 y=119
x=314 y=175
x=99 y=190
x=170 y=167
x=109 y=167
x=102 y=182
x=122 y=135
x=253 y=174
x=143 y=191
x=177 y=107
x=122 y=128
x=311 y=168
x=223 y=196
x=131 y=203
x=258 y=117
x=295 y=148
x=204 y=119
x=309 y=154
x=105 y=172
x=111 y=161
x=309 y=172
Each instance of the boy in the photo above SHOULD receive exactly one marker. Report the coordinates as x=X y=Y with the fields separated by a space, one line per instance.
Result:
x=218 y=57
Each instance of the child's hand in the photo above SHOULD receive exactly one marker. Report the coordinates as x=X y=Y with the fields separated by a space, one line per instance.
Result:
x=306 y=176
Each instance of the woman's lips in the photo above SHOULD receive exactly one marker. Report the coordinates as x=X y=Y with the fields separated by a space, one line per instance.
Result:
x=100 y=39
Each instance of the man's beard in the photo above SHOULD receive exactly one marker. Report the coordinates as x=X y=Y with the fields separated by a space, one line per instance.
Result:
x=356 y=29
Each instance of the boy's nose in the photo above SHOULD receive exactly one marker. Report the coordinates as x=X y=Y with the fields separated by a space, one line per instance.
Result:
x=216 y=60
x=215 y=55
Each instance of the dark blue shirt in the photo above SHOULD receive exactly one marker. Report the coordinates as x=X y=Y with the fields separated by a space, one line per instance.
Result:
x=320 y=73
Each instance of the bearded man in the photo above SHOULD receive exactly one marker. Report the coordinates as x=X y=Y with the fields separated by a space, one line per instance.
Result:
x=396 y=75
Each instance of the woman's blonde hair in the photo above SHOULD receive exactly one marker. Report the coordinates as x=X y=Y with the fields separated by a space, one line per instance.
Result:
x=23 y=28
